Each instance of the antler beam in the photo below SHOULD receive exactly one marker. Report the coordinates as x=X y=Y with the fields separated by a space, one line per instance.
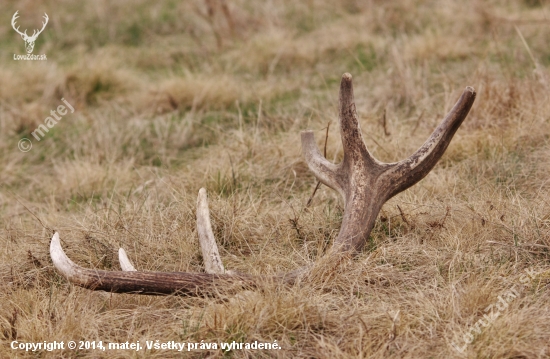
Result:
x=364 y=183
x=158 y=283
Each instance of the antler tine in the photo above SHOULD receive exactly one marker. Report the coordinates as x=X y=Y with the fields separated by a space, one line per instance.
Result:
x=325 y=171
x=124 y=261
x=350 y=131
x=209 y=248
x=63 y=263
x=411 y=170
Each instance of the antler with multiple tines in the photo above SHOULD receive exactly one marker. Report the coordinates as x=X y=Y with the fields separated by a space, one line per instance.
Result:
x=364 y=183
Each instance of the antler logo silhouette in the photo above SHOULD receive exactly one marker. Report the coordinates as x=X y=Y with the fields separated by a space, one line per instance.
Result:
x=29 y=40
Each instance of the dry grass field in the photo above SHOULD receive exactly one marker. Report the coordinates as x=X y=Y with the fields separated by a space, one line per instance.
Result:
x=171 y=96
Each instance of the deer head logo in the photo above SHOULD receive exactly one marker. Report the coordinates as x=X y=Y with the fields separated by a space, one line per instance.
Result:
x=29 y=40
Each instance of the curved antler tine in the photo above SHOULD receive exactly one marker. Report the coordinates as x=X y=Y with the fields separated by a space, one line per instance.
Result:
x=210 y=254
x=411 y=170
x=124 y=261
x=325 y=171
x=63 y=264
x=179 y=283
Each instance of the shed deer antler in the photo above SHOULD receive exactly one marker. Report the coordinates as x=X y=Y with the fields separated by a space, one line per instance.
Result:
x=364 y=183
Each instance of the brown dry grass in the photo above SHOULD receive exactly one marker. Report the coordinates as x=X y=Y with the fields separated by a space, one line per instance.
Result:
x=170 y=98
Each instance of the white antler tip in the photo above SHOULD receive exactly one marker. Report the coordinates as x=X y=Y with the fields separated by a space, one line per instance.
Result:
x=124 y=261
x=60 y=260
x=202 y=192
x=55 y=239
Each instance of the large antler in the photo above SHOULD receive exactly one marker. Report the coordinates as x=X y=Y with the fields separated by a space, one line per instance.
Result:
x=364 y=183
